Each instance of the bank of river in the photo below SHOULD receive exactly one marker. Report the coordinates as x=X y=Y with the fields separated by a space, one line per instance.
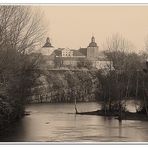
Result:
x=57 y=122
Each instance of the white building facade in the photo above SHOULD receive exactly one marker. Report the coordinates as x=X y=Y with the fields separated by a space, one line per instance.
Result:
x=66 y=52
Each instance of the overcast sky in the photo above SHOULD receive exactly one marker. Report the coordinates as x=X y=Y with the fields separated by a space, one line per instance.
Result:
x=73 y=26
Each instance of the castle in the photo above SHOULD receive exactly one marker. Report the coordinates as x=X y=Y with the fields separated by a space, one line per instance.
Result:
x=65 y=57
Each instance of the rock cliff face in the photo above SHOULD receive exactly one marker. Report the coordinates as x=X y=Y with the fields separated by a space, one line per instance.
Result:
x=63 y=86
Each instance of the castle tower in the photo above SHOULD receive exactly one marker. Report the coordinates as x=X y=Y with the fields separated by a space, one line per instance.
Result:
x=47 y=49
x=47 y=44
x=92 y=49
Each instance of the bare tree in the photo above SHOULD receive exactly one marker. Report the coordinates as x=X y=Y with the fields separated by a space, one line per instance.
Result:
x=21 y=31
x=20 y=27
x=116 y=48
x=117 y=81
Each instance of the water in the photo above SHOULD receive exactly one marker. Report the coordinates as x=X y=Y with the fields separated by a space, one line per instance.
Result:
x=58 y=123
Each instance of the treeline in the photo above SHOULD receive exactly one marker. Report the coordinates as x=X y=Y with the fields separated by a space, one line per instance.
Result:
x=20 y=32
x=124 y=78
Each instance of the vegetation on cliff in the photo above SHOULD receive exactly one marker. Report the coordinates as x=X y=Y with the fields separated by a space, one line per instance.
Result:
x=64 y=86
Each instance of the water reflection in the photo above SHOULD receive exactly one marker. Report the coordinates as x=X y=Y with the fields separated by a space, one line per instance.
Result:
x=57 y=122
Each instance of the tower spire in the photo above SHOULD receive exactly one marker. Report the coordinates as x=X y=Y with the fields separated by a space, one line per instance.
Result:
x=93 y=39
x=92 y=43
x=48 y=40
x=47 y=44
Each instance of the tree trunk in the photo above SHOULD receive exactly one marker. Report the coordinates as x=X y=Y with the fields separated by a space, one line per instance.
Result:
x=145 y=103
x=137 y=86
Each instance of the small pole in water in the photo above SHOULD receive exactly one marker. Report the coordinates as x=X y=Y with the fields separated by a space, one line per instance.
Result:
x=76 y=106
x=120 y=112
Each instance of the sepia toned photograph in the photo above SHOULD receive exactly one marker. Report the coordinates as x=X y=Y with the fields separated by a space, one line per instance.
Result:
x=73 y=73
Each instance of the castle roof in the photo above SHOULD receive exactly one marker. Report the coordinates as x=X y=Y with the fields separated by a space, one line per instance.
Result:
x=93 y=43
x=47 y=44
x=83 y=51
x=77 y=53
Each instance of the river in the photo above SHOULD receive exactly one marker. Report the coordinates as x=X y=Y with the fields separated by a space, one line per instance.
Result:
x=58 y=123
